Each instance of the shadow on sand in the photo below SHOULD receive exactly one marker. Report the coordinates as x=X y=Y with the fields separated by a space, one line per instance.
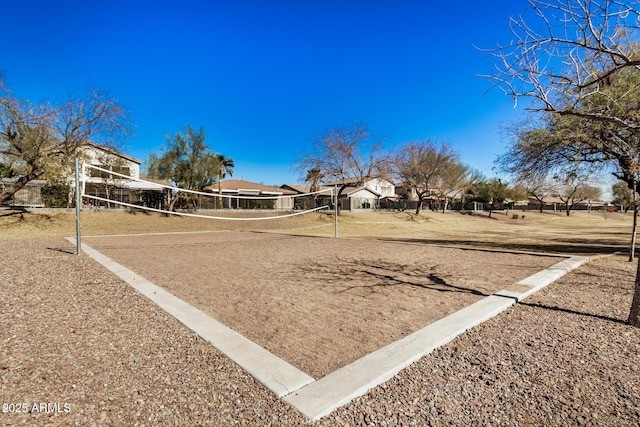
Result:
x=569 y=311
x=558 y=246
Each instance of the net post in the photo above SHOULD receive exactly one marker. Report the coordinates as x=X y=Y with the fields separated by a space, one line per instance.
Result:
x=78 y=201
x=335 y=209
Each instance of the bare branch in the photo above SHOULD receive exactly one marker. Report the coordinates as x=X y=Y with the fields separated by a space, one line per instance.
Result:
x=346 y=153
x=567 y=53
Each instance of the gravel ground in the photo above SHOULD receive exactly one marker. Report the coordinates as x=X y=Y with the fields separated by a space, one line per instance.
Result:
x=74 y=335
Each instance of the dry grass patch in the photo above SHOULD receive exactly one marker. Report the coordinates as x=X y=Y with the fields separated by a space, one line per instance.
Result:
x=548 y=232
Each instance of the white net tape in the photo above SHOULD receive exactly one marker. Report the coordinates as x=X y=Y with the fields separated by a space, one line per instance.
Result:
x=120 y=181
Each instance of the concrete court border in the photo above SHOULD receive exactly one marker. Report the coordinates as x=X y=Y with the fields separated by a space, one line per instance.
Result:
x=318 y=398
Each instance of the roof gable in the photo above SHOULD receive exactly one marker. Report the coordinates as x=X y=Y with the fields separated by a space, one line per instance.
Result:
x=303 y=188
x=354 y=190
x=110 y=151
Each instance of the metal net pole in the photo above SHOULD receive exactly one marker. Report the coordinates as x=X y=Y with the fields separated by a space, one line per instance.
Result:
x=78 y=201
x=335 y=206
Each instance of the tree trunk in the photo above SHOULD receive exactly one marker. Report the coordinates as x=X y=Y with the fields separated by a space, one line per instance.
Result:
x=172 y=203
x=444 y=207
x=107 y=191
x=342 y=187
x=419 y=206
x=71 y=196
x=634 y=314
x=219 y=198
x=632 y=247
x=19 y=184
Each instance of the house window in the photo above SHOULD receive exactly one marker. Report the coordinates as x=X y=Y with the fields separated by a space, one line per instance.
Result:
x=124 y=170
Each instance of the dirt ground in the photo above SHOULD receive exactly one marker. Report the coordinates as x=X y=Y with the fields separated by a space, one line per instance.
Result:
x=319 y=303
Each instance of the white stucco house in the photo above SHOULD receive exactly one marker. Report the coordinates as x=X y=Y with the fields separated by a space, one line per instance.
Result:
x=365 y=195
x=97 y=183
x=107 y=158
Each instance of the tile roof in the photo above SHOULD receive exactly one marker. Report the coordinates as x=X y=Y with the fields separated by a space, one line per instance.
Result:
x=241 y=186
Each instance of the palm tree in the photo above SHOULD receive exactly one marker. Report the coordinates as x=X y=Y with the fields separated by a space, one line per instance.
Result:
x=225 y=167
x=314 y=176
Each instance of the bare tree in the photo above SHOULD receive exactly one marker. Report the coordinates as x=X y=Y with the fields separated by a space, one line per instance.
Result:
x=567 y=55
x=39 y=140
x=574 y=188
x=538 y=187
x=578 y=61
x=455 y=179
x=424 y=165
x=349 y=155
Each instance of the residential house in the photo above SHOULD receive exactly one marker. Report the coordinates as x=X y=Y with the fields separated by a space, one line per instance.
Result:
x=305 y=200
x=365 y=195
x=97 y=183
x=556 y=204
x=241 y=194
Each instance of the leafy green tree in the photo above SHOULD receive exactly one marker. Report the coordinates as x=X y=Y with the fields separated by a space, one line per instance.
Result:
x=622 y=195
x=628 y=198
x=187 y=163
x=493 y=192
x=56 y=195
x=313 y=177
x=6 y=171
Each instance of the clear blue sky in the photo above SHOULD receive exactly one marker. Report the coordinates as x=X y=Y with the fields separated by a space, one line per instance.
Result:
x=264 y=77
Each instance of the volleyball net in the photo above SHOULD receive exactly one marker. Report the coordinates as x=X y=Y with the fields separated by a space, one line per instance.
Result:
x=102 y=188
